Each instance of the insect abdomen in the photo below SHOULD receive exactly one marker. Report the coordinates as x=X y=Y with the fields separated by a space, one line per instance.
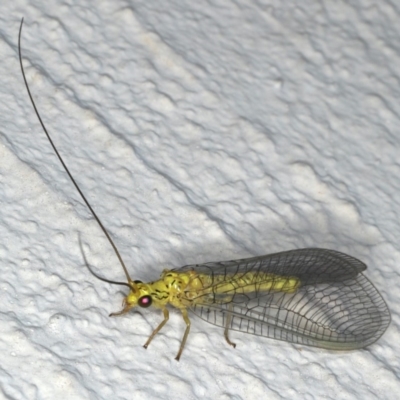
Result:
x=242 y=283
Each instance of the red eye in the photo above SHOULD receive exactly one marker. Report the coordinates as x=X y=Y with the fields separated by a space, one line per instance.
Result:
x=145 y=301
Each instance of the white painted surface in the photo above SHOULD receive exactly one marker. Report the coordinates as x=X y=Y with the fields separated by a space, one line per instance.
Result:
x=199 y=132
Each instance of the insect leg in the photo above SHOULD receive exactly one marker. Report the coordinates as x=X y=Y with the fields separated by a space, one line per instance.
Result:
x=159 y=327
x=125 y=308
x=228 y=321
x=187 y=330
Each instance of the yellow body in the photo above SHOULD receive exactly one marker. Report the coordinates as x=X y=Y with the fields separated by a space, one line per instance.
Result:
x=183 y=289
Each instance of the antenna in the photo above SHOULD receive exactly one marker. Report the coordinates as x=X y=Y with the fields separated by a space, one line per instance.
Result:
x=130 y=283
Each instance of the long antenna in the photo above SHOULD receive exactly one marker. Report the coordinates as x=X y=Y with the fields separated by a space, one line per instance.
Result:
x=94 y=273
x=130 y=282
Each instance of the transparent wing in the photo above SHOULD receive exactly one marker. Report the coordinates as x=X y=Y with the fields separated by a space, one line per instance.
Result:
x=335 y=306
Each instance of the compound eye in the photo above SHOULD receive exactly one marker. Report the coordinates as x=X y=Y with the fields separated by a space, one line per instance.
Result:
x=137 y=282
x=145 y=301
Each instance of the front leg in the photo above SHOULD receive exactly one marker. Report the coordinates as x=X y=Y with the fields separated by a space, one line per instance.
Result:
x=159 y=327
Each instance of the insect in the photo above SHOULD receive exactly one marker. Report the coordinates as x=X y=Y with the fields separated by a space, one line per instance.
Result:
x=312 y=296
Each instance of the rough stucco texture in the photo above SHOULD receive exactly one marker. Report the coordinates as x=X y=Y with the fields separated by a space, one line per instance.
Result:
x=199 y=132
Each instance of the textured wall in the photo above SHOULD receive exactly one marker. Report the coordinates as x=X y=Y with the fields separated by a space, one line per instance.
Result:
x=199 y=133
